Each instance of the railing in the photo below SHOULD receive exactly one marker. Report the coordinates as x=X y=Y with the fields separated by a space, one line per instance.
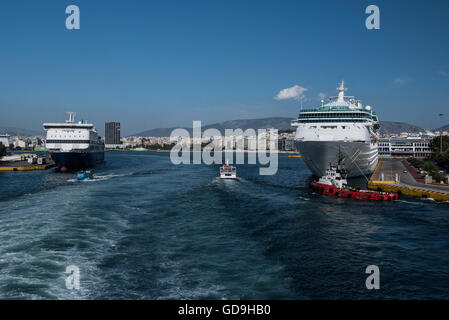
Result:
x=331 y=120
x=352 y=115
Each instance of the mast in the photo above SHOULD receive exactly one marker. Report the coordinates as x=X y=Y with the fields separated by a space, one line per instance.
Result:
x=341 y=91
x=71 y=118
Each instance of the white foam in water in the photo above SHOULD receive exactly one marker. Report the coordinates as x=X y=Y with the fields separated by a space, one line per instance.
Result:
x=409 y=202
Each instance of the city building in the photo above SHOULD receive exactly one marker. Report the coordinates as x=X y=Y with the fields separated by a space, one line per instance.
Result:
x=417 y=147
x=20 y=143
x=112 y=135
x=5 y=140
x=286 y=144
x=36 y=142
x=131 y=142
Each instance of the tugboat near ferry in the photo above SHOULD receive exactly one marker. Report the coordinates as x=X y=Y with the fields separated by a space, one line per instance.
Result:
x=74 y=145
x=334 y=183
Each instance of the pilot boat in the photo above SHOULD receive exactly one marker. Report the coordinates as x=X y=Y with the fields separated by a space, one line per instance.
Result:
x=228 y=172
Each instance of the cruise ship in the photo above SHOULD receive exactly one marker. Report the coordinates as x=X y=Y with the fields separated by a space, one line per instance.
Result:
x=74 y=145
x=341 y=130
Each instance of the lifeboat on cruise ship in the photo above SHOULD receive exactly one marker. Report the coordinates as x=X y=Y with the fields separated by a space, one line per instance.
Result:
x=334 y=183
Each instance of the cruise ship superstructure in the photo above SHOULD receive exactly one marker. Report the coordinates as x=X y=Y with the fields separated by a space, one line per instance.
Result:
x=74 y=144
x=340 y=130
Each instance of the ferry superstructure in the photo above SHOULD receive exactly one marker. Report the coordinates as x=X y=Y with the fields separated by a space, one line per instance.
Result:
x=341 y=127
x=74 y=145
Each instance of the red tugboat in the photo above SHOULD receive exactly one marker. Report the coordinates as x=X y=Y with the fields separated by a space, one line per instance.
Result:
x=334 y=183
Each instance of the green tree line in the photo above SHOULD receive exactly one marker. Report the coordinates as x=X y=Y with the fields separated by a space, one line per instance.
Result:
x=2 y=150
x=441 y=158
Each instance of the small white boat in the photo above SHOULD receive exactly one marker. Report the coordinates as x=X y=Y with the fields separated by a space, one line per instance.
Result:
x=228 y=172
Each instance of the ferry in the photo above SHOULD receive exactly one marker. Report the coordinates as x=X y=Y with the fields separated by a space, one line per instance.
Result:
x=228 y=172
x=334 y=183
x=74 y=145
x=341 y=124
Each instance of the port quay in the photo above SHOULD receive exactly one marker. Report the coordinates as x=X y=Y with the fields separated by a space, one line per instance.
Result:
x=397 y=175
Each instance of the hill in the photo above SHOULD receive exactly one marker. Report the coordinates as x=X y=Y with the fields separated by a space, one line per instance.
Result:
x=391 y=127
x=21 y=132
x=443 y=128
x=280 y=123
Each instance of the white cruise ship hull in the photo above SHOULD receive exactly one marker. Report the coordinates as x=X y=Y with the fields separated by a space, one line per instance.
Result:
x=360 y=158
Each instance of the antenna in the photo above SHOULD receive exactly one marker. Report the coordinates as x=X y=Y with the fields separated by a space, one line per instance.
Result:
x=441 y=135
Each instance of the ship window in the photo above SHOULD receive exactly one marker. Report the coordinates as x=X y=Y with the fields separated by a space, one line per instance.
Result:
x=68 y=141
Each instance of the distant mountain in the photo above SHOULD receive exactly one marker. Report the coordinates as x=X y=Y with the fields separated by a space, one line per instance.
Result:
x=21 y=132
x=443 y=128
x=390 y=127
x=279 y=123
x=158 y=132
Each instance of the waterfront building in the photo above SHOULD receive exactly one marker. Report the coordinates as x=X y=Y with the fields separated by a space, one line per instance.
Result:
x=131 y=142
x=286 y=144
x=36 y=142
x=5 y=140
x=112 y=135
x=417 y=147
x=19 y=143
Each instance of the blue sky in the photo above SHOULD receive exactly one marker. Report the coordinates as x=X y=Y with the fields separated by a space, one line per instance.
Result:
x=154 y=64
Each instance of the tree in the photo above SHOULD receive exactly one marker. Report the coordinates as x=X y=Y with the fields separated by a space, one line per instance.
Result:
x=441 y=158
x=434 y=144
x=2 y=150
x=416 y=162
x=429 y=166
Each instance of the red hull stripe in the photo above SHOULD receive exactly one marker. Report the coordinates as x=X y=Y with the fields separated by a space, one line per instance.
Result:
x=364 y=195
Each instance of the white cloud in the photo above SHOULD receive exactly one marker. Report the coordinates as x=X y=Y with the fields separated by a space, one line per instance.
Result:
x=296 y=92
x=443 y=73
x=401 y=81
x=322 y=95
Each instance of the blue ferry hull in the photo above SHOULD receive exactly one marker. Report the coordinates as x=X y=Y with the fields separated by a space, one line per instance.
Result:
x=77 y=160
